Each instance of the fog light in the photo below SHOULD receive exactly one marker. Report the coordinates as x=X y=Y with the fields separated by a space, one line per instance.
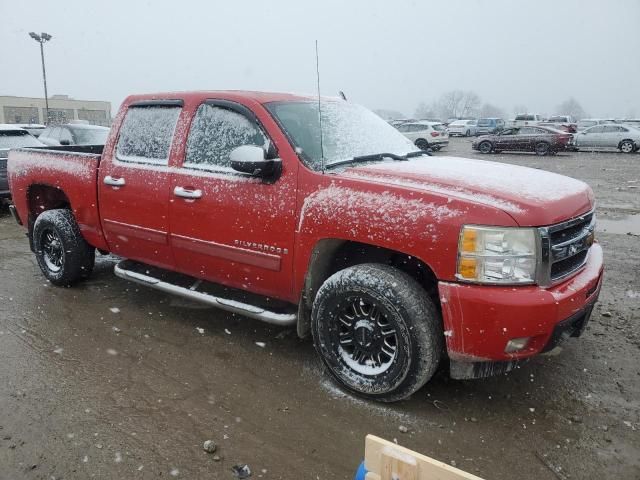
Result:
x=516 y=344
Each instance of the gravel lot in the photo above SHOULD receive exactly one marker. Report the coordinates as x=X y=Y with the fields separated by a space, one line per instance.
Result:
x=111 y=380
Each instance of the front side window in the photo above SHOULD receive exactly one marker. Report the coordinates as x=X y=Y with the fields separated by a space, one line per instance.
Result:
x=146 y=134
x=215 y=132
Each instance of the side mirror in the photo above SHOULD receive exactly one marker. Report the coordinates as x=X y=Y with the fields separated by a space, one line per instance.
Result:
x=251 y=159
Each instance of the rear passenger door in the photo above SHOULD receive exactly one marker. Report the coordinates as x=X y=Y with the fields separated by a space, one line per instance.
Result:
x=133 y=184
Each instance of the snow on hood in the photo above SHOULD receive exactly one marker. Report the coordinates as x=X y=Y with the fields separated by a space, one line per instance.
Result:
x=532 y=197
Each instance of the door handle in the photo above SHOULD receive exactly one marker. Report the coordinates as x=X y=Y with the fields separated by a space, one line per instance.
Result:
x=114 y=182
x=184 y=193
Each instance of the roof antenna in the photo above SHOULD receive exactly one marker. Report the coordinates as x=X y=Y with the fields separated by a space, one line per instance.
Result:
x=342 y=95
x=319 y=111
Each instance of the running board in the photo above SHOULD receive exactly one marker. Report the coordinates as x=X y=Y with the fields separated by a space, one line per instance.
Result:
x=234 y=306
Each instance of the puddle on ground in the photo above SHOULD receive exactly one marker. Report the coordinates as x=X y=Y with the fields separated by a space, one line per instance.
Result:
x=623 y=226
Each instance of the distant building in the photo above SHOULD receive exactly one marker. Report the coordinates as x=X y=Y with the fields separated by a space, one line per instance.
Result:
x=62 y=109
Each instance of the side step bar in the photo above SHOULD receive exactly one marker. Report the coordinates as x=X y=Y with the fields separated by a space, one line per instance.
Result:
x=234 y=306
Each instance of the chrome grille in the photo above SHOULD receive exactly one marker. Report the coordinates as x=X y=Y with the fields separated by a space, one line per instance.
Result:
x=564 y=248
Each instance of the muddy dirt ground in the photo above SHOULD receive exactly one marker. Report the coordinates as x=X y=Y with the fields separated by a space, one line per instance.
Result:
x=112 y=380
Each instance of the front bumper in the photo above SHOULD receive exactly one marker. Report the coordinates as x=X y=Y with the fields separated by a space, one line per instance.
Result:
x=479 y=320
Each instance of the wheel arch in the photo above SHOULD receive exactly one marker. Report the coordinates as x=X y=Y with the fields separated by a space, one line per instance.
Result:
x=635 y=144
x=40 y=198
x=332 y=255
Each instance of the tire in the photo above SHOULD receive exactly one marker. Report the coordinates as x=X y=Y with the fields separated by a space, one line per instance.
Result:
x=62 y=253
x=542 y=148
x=485 y=146
x=627 y=146
x=422 y=144
x=467 y=133
x=349 y=316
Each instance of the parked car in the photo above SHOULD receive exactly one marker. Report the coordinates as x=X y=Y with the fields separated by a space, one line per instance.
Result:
x=585 y=123
x=390 y=262
x=425 y=135
x=558 y=126
x=567 y=122
x=464 y=128
x=623 y=137
x=489 y=125
x=525 y=119
x=541 y=140
x=74 y=134
x=12 y=137
x=561 y=119
x=632 y=122
x=34 y=129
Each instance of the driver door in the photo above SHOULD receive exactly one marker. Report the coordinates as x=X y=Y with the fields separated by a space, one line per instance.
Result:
x=228 y=227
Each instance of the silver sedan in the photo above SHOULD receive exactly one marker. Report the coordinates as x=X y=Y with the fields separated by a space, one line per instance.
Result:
x=623 y=137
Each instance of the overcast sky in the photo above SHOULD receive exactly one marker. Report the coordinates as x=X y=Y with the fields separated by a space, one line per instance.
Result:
x=383 y=54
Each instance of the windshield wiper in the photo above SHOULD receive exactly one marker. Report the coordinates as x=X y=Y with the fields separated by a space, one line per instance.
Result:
x=377 y=156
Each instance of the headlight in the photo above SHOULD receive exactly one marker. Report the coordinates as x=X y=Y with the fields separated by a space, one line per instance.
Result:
x=497 y=255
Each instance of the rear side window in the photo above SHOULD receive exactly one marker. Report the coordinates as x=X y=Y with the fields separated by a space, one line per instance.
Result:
x=146 y=134
x=215 y=132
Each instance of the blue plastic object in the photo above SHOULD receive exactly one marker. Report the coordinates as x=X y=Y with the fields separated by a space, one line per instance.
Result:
x=361 y=472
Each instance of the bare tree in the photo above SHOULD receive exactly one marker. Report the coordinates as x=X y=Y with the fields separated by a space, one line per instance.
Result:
x=458 y=104
x=491 y=111
x=571 y=107
x=425 y=110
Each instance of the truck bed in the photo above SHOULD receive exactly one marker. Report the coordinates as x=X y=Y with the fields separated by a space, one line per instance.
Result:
x=46 y=177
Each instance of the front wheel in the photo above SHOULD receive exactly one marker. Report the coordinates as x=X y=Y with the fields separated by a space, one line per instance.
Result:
x=627 y=146
x=377 y=331
x=467 y=133
x=62 y=253
x=485 y=147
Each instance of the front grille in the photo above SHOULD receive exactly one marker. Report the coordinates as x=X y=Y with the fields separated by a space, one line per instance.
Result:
x=568 y=265
x=565 y=247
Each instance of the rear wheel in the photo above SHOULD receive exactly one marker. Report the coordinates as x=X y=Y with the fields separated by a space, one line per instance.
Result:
x=485 y=147
x=422 y=144
x=542 y=148
x=627 y=146
x=62 y=253
x=377 y=331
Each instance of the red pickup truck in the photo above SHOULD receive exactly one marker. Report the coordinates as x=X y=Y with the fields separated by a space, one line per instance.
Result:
x=323 y=216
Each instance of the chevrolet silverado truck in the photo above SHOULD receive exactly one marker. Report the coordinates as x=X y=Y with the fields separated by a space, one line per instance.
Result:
x=320 y=215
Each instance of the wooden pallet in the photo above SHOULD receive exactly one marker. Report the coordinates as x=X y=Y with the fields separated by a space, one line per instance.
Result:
x=387 y=461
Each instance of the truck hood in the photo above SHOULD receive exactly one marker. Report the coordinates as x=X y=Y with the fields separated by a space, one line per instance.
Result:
x=532 y=197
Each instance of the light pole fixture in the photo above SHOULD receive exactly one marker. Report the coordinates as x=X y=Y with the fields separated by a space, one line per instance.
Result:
x=43 y=37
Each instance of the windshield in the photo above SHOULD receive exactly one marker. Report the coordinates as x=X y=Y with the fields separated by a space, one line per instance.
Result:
x=17 y=138
x=484 y=123
x=90 y=136
x=348 y=131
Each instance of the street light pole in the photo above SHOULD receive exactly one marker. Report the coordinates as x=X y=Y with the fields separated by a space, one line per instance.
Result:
x=43 y=37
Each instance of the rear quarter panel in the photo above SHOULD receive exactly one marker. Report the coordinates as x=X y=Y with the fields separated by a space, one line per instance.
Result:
x=74 y=174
